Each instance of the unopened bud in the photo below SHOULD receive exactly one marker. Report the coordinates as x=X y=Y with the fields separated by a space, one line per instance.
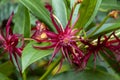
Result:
x=79 y=1
x=114 y=14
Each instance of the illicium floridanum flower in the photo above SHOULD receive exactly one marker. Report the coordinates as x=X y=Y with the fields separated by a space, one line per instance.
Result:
x=9 y=42
x=64 y=40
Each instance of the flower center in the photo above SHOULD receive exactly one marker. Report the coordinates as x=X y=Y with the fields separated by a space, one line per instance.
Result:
x=65 y=39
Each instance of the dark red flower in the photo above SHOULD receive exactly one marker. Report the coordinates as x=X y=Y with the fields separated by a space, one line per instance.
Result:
x=94 y=49
x=64 y=40
x=114 y=46
x=9 y=41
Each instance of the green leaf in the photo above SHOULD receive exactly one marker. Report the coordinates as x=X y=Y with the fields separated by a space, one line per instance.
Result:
x=6 y=68
x=113 y=64
x=6 y=8
x=38 y=9
x=75 y=13
x=109 y=5
x=31 y=55
x=87 y=11
x=22 y=21
x=106 y=28
x=85 y=75
x=60 y=11
x=4 y=77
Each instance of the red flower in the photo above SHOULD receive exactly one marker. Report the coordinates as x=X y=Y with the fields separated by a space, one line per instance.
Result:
x=114 y=46
x=95 y=49
x=64 y=40
x=9 y=41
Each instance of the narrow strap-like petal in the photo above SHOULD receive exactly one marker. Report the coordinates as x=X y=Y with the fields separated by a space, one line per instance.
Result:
x=60 y=66
x=18 y=51
x=77 y=49
x=85 y=59
x=65 y=53
x=56 y=50
x=51 y=34
x=8 y=29
x=2 y=37
x=17 y=62
x=45 y=47
x=54 y=23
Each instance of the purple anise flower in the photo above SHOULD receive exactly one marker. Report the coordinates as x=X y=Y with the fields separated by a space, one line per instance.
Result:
x=63 y=39
x=101 y=46
x=114 y=46
x=9 y=41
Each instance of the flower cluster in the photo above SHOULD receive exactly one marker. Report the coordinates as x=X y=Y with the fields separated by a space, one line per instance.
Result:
x=67 y=41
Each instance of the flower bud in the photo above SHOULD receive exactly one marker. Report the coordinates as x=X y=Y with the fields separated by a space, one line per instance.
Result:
x=79 y=1
x=114 y=14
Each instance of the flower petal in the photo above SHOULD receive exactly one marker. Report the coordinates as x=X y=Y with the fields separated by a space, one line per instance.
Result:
x=56 y=50
x=65 y=53
x=2 y=37
x=18 y=51
x=77 y=49
x=8 y=29
x=54 y=23
x=51 y=34
x=45 y=47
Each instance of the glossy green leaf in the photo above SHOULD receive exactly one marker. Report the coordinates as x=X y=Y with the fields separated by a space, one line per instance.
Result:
x=22 y=21
x=31 y=55
x=68 y=9
x=85 y=75
x=59 y=9
x=87 y=12
x=106 y=28
x=75 y=13
x=38 y=9
x=7 y=68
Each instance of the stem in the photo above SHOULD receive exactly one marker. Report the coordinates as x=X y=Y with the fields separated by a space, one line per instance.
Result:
x=50 y=69
x=24 y=76
x=100 y=25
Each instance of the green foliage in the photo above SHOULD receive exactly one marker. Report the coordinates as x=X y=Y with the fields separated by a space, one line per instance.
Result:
x=109 y=5
x=85 y=75
x=38 y=9
x=31 y=55
x=90 y=25
x=6 y=8
x=87 y=12
x=22 y=21
x=60 y=11
x=7 y=68
x=4 y=77
x=106 y=28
